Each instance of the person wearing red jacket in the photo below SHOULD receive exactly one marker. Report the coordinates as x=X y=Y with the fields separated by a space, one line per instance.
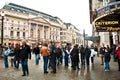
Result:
x=117 y=51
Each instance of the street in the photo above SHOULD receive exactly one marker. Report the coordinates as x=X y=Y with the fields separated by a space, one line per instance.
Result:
x=93 y=72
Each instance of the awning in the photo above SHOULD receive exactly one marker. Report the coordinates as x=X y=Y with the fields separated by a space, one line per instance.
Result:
x=92 y=38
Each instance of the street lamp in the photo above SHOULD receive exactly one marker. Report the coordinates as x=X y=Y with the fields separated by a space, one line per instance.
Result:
x=84 y=36
x=2 y=30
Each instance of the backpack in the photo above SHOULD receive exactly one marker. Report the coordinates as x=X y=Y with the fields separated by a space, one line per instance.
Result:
x=7 y=52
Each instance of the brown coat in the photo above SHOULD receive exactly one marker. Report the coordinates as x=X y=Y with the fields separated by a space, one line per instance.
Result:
x=44 y=51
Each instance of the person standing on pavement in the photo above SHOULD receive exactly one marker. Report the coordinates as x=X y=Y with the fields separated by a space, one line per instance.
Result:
x=117 y=51
x=66 y=56
x=102 y=51
x=16 y=55
x=59 y=55
x=36 y=51
x=75 y=57
x=53 y=57
x=11 y=55
x=5 y=56
x=25 y=54
x=45 y=53
x=82 y=52
x=87 y=54
x=107 y=58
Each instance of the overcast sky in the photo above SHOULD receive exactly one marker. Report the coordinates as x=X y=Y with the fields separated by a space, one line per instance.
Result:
x=75 y=12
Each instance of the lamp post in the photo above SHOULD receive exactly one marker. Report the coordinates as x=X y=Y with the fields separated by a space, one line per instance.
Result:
x=2 y=24
x=2 y=31
x=84 y=36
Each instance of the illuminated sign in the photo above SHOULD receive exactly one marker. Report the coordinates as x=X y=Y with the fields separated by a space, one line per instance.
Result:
x=107 y=29
x=108 y=18
x=106 y=23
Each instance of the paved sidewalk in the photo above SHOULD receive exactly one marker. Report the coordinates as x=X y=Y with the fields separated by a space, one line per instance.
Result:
x=94 y=72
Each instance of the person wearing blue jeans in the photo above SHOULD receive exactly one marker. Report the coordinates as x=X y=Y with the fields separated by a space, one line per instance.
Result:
x=45 y=59
x=5 y=58
x=65 y=57
x=6 y=61
x=24 y=63
x=37 y=59
x=16 y=64
x=25 y=54
x=36 y=51
x=45 y=53
x=107 y=60
x=106 y=66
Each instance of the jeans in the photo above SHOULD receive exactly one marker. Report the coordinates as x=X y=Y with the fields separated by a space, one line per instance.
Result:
x=36 y=59
x=24 y=63
x=16 y=63
x=82 y=59
x=87 y=60
x=66 y=60
x=106 y=66
x=45 y=59
x=6 y=62
x=53 y=60
x=61 y=58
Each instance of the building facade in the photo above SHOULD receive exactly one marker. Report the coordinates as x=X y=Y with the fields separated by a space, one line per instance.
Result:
x=104 y=16
x=24 y=23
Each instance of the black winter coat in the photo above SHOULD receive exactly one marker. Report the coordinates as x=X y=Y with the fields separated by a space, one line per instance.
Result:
x=102 y=50
x=25 y=52
x=36 y=50
x=107 y=57
x=87 y=52
x=75 y=54
x=17 y=53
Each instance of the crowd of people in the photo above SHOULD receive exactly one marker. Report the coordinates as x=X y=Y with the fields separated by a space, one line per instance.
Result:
x=54 y=55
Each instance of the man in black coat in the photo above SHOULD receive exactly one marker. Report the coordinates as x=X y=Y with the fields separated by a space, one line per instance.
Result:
x=53 y=57
x=75 y=57
x=82 y=52
x=87 y=54
x=24 y=55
